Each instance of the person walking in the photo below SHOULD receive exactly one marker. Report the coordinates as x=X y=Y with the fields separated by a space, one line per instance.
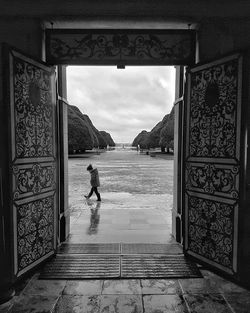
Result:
x=94 y=182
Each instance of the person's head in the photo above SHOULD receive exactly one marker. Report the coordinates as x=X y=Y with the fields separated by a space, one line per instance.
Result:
x=90 y=167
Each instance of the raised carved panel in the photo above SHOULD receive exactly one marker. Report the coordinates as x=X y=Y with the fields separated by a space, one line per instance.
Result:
x=32 y=179
x=35 y=230
x=214 y=179
x=128 y=47
x=33 y=111
x=213 y=111
x=211 y=229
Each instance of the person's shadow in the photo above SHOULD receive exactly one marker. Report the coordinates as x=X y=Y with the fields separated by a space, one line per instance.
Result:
x=94 y=217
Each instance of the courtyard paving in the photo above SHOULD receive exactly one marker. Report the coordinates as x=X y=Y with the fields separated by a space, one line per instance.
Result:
x=135 y=208
x=137 y=200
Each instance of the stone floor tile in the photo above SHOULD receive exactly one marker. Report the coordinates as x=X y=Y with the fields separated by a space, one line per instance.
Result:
x=78 y=304
x=164 y=304
x=44 y=287
x=5 y=307
x=34 y=304
x=207 y=303
x=240 y=302
x=221 y=284
x=121 y=304
x=85 y=288
x=160 y=286
x=197 y=285
x=226 y=286
x=122 y=286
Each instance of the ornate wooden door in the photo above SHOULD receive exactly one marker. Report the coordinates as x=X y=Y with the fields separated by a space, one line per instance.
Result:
x=33 y=170
x=212 y=162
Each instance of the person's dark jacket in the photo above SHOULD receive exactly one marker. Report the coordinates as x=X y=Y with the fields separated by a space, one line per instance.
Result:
x=94 y=179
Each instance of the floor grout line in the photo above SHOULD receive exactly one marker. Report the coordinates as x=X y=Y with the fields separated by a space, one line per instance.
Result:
x=229 y=305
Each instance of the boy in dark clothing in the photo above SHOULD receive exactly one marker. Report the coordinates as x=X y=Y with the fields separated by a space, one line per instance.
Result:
x=94 y=182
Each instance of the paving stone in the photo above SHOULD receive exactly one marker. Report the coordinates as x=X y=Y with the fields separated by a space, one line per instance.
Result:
x=5 y=307
x=207 y=303
x=86 y=287
x=121 y=304
x=122 y=286
x=240 y=302
x=221 y=284
x=160 y=286
x=198 y=285
x=44 y=287
x=164 y=304
x=78 y=304
x=34 y=304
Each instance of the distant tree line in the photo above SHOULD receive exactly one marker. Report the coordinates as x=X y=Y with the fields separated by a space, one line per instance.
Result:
x=82 y=134
x=162 y=135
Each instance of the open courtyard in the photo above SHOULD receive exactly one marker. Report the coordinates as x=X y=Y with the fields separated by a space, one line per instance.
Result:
x=137 y=198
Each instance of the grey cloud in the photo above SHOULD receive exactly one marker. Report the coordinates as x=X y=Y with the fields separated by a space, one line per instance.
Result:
x=122 y=102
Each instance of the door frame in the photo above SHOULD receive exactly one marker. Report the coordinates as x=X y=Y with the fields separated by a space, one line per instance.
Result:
x=147 y=35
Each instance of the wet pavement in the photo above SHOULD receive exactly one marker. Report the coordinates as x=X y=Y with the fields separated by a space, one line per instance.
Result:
x=211 y=294
x=138 y=209
x=112 y=221
x=136 y=192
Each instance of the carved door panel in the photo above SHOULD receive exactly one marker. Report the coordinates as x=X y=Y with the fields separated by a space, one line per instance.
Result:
x=33 y=170
x=212 y=162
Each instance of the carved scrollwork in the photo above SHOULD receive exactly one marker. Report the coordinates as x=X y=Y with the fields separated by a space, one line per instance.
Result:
x=35 y=231
x=213 y=111
x=211 y=230
x=213 y=179
x=33 y=111
x=31 y=180
x=90 y=46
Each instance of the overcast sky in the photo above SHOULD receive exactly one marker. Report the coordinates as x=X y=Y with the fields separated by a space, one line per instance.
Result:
x=122 y=102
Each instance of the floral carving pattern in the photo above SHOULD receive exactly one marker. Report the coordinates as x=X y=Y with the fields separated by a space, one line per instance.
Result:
x=34 y=179
x=33 y=111
x=213 y=179
x=35 y=226
x=124 y=46
x=211 y=230
x=213 y=111
x=212 y=165
x=33 y=169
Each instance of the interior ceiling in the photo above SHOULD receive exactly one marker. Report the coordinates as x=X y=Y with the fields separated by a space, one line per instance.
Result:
x=157 y=9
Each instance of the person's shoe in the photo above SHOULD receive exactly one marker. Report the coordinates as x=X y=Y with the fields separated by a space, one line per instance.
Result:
x=87 y=197
x=99 y=200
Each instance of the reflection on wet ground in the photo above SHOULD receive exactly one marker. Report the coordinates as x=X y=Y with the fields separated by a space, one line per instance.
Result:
x=113 y=220
x=137 y=199
x=94 y=216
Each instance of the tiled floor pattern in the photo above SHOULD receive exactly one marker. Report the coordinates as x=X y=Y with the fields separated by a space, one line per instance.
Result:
x=211 y=294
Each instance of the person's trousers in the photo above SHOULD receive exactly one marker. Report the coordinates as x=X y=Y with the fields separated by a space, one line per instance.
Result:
x=95 y=190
